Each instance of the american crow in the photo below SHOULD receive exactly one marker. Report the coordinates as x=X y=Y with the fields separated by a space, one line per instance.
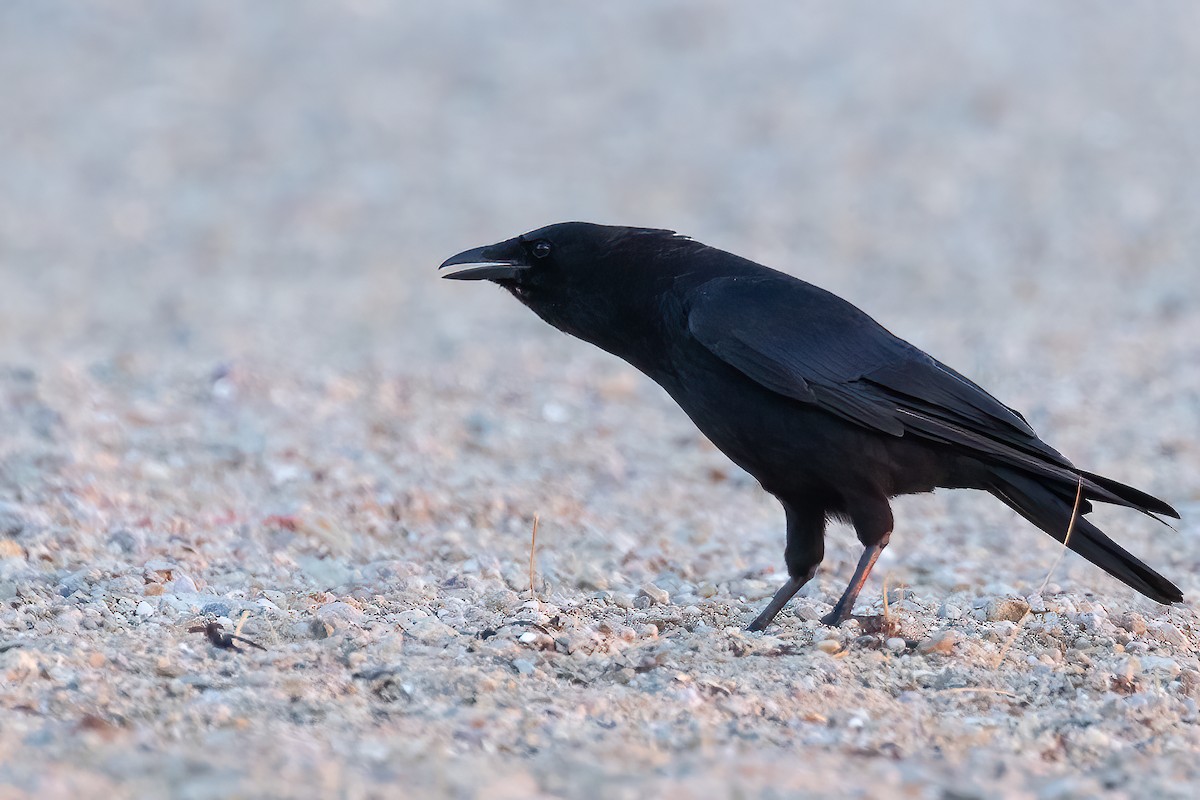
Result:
x=826 y=408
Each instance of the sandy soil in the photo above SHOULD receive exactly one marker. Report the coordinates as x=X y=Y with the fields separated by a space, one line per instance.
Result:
x=232 y=389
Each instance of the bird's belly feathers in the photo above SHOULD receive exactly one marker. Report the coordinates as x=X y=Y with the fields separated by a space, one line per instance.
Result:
x=794 y=447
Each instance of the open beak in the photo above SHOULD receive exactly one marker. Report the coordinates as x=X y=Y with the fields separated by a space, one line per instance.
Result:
x=484 y=264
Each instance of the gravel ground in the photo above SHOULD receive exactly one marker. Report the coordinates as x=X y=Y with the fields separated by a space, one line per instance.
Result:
x=232 y=389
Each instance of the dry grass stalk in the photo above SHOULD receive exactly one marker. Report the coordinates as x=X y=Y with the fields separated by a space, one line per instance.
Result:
x=1066 y=540
x=532 y=552
x=980 y=690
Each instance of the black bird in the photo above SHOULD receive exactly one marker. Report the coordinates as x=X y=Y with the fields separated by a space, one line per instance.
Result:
x=830 y=412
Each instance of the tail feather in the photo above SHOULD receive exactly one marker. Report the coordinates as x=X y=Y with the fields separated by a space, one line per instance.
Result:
x=1052 y=513
x=1136 y=498
x=1035 y=458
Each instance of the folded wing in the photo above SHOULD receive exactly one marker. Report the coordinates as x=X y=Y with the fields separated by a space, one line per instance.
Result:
x=807 y=344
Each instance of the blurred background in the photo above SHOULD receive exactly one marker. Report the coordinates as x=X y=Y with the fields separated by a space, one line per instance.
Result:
x=231 y=178
x=224 y=345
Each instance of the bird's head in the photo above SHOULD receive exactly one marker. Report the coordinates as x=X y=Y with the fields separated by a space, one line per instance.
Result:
x=574 y=275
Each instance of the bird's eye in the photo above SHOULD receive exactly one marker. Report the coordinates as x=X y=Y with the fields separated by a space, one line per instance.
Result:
x=542 y=248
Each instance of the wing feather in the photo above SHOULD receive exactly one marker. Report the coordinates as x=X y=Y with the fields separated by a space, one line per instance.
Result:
x=807 y=344
x=810 y=345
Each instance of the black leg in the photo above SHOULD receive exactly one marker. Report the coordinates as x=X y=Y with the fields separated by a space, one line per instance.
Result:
x=845 y=605
x=781 y=598
x=803 y=554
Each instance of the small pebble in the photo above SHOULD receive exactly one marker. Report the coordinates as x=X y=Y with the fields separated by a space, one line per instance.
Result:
x=433 y=630
x=1133 y=622
x=1189 y=679
x=656 y=595
x=622 y=600
x=1165 y=666
x=1004 y=628
x=339 y=611
x=949 y=611
x=1010 y=609
x=216 y=609
x=1169 y=634
x=183 y=585
x=940 y=643
x=267 y=605
x=808 y=613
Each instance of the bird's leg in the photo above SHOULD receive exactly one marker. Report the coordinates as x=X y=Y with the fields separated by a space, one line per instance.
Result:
x=845 y=604
x=781 y=598
x=803 y=554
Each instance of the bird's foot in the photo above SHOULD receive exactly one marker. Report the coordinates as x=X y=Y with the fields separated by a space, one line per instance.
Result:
x=834 y=618
x=869 y=623
x=840 y=613
x=882 y=624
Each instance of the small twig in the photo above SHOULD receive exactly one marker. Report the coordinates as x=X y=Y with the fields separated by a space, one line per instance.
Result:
x=980 y=690
x=224 y=641
x=532 y=552
x=1066 y=540
x=237 y=631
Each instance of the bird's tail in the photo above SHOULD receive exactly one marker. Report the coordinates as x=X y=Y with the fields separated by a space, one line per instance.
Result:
x=1051 y=511
x=1129 y=496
